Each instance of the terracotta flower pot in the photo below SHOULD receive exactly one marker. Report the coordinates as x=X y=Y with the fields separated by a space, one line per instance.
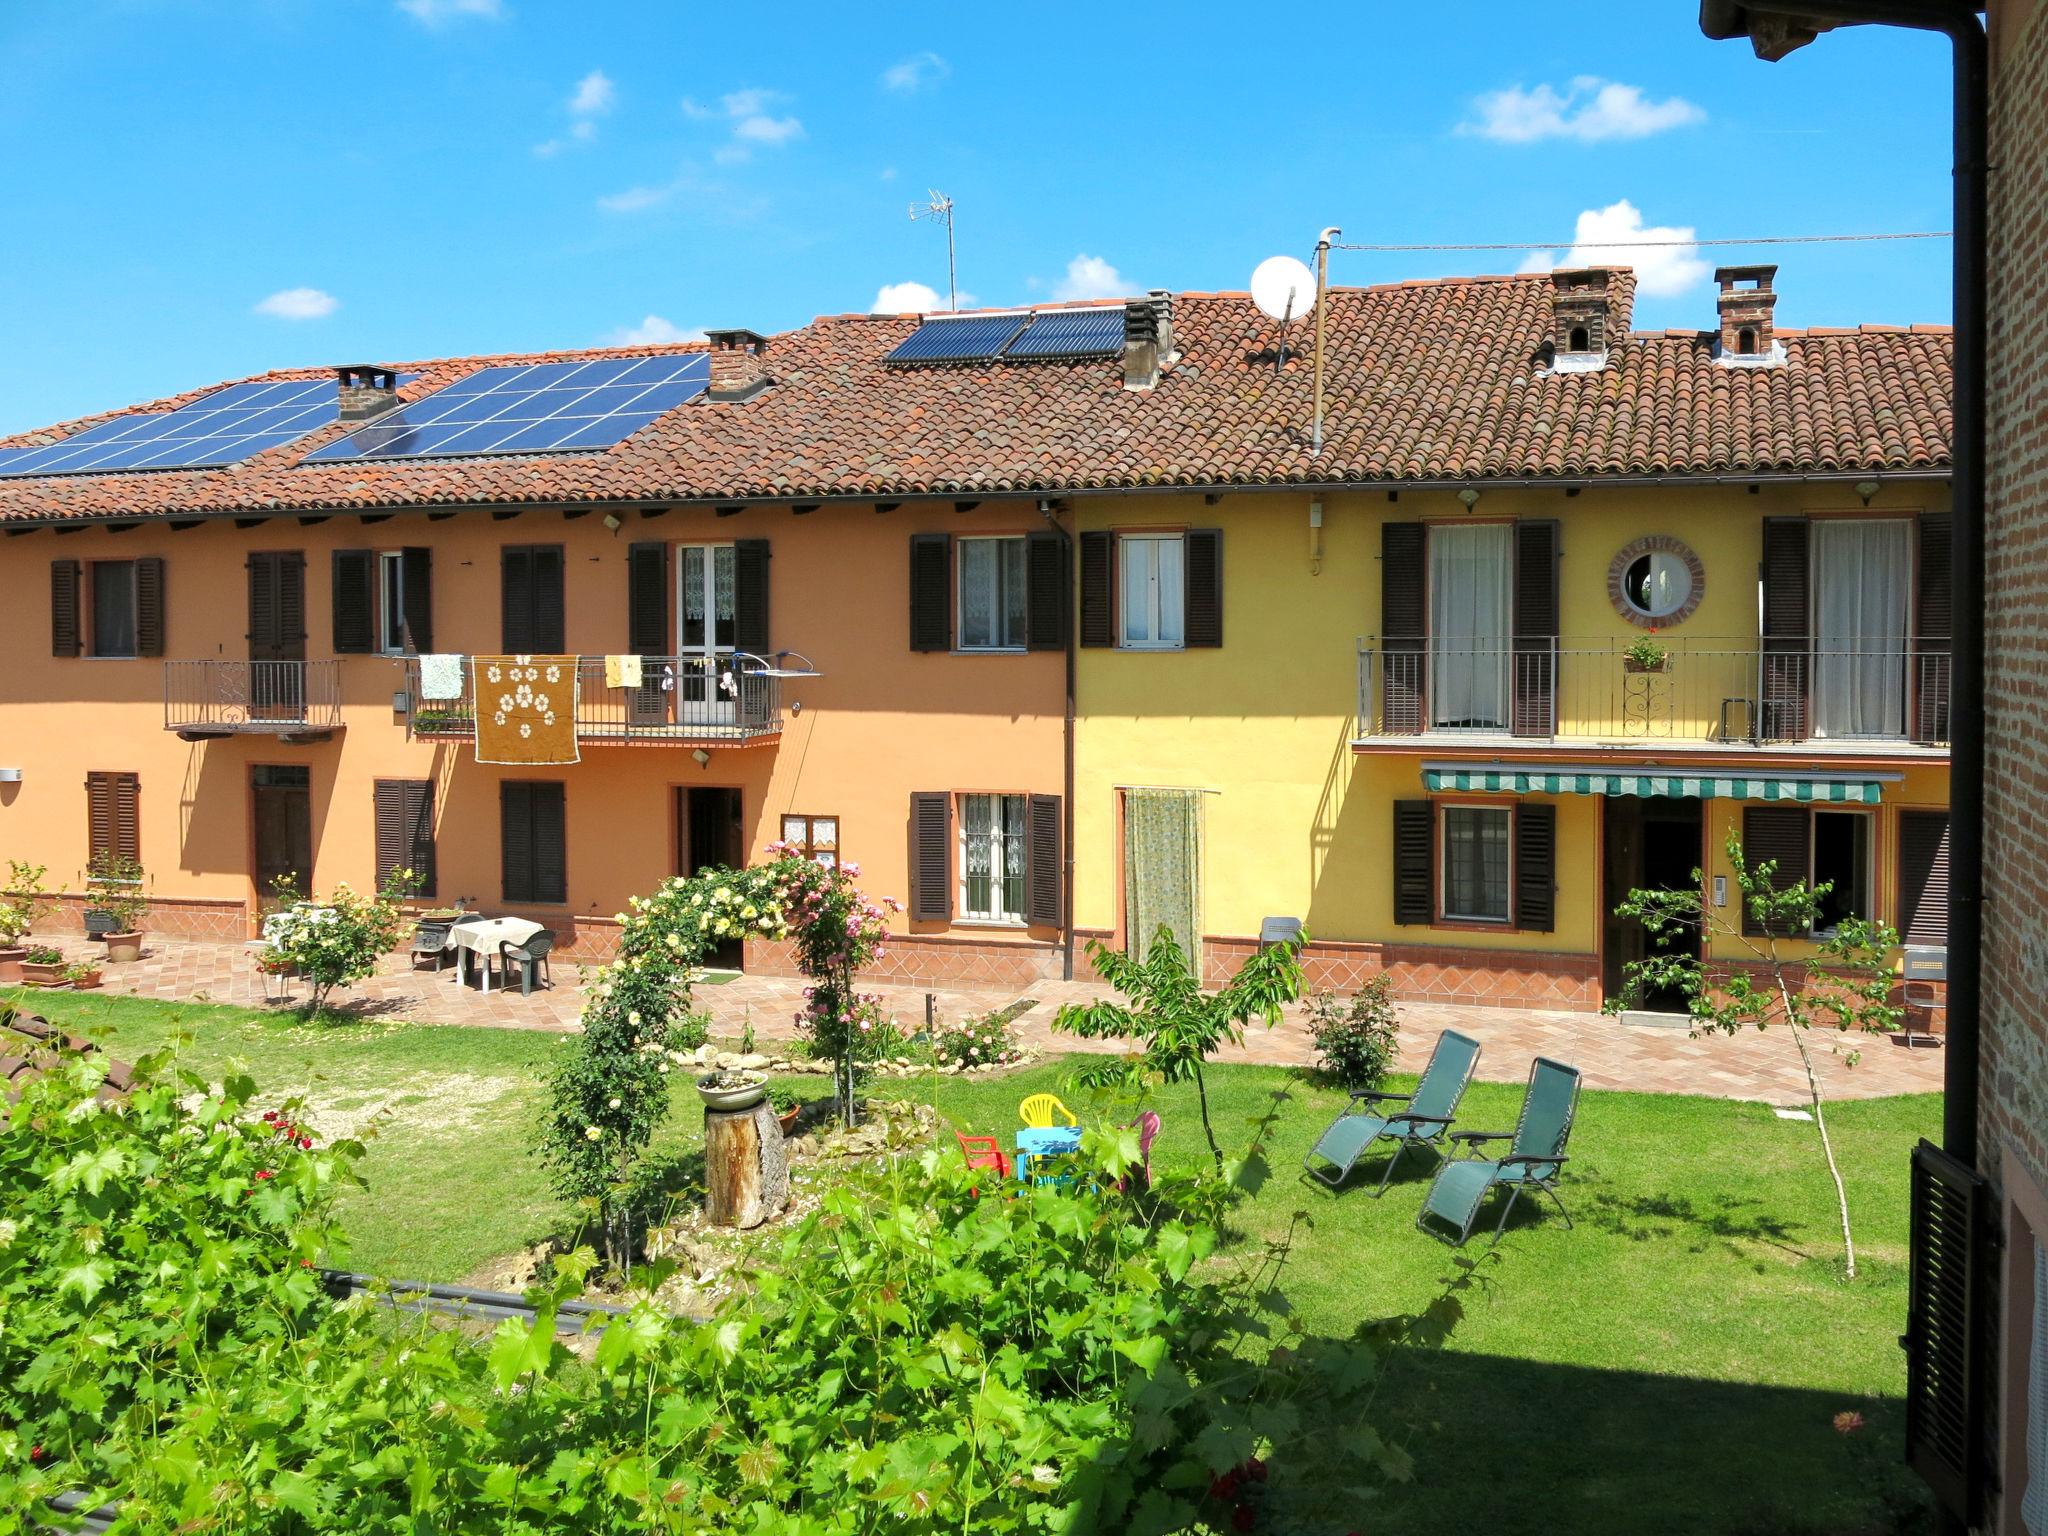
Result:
x=123 y=946
x=788 y=1118
x=36 y=975
x=10 y=963
x=87 y=982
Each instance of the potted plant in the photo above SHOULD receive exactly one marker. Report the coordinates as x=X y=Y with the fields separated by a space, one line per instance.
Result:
x=730 y=1090
x=1645 y=654
x=114 y=896
x=789 y=1105
x=43 y=965
x=83 y=976
x=20 y=905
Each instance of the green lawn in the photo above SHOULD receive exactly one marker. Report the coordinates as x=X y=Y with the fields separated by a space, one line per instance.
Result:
x=1670 y=1365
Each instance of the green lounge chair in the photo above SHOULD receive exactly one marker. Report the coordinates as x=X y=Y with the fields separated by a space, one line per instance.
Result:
x=1535 y=1156
x=1424 y=1123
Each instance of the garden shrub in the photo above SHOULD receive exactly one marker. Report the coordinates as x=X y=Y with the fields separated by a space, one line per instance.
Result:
x=919 y=1359
x=147 y=1243
x=1357 y=1038
x=337 y=941
x=987 y=1041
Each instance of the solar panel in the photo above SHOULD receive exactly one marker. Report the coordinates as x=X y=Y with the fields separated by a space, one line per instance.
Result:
x=225 y=427
x=959 y=339
x=529 y=408
x=1071 y=333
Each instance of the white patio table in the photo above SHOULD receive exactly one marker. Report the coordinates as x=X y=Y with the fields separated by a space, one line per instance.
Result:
x=481 y=936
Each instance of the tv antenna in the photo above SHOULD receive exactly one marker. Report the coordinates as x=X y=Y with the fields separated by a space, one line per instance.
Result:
x=1285 y=290
x=939 y=206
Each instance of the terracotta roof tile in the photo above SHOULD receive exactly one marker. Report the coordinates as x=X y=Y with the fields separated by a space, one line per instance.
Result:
x=1431 y=380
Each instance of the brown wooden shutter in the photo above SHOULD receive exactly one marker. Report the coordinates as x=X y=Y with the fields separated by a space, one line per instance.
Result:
x=1923 y=877
x=1535 y=867
x=1045 y=866
x=417 y=565
x=1203 y=625
x=1780 y=834
x=355 y=601
x=533 y=847
x=931 y=592
x=931 y=856
x=113 y=815
x=647 y=624
x=1787 y=622
x=1098 y=588
x=531 y=599
x=405 y=831
x=750 y=596
x=1414 y=862
x=1046 y=583
x=1537 y=554
x=291 y=603
x=1404 y=627
x=1933 y=626
x=66 y=632
x=1950 y=1306
x=149 y=606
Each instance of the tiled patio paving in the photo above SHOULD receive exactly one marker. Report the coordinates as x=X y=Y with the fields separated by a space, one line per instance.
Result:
x=1752 y=1065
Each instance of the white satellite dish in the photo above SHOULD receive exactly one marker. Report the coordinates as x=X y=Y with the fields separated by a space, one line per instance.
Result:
x=1283 y=288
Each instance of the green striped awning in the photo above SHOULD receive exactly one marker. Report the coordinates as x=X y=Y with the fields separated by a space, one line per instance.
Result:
x=1813 y=787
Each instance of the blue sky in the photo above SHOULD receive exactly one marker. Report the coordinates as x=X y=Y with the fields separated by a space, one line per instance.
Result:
x=197 y=191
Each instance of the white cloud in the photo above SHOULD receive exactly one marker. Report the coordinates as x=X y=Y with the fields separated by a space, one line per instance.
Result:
x=1607 y=237
x=916 y=72
x=594 y=95
x=904 y=299
x=439 y=13
x=1589 y=109
x=298 y=304
x=1090 y=277
x=652 y=331
x=754 y=123
x=635 y=199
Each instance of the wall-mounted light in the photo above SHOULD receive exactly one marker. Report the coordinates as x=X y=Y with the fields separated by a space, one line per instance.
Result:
x=1470 y=497
x=1866 y=489
x=10 y=775
x=611 y=521
x=701 y=758
x=1720 y=890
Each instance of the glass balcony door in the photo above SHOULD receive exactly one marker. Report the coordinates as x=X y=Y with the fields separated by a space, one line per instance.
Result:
x=706 y=611
x=1862 y=591
x=1469 y=617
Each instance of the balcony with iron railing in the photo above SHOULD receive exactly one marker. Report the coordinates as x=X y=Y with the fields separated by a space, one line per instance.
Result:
x=290 y=700
x=735 y=698
x=1706 y=692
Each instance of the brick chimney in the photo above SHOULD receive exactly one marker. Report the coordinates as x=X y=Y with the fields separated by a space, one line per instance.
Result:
x=366 y=390
x=1148 y=338
x=738 y=369
x=1579 y=312
x=1746 y=302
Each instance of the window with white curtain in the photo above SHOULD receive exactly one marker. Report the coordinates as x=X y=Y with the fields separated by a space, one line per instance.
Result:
x=991 y=594
x=1154 y=606
x=992 y=858
x=1862 y=589
x=1476 y=862
x=1469 y=565
x=391 y=602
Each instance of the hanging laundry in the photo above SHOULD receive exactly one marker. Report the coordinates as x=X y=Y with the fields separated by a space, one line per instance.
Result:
x=622 y=671
x=441 y=676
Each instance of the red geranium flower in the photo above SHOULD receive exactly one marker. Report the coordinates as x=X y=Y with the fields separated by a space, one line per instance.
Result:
x=266 y=1173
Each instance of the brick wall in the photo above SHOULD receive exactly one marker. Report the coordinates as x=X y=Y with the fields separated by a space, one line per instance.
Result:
x=2014 y=1102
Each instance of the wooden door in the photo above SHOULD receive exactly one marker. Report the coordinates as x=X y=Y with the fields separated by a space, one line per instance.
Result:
x=277 y=634
x=712 y=837
x=282 y=808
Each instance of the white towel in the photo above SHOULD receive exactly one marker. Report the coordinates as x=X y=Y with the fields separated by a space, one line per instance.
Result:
x=622 y=671
x=441 y=676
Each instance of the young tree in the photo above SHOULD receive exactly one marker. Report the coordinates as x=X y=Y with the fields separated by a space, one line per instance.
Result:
x=1179 y=1023
x=1844 y=981
x=338 y=941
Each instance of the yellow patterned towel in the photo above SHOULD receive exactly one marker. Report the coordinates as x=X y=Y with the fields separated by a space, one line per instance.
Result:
x=525 y=709
x=622 y=671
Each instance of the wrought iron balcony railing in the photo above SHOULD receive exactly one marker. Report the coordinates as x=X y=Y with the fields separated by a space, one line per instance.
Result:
x=680 y=701
x=1705 y=690
x=207 y=699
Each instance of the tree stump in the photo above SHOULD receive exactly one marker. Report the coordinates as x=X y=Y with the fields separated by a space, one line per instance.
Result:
x=746 y=1174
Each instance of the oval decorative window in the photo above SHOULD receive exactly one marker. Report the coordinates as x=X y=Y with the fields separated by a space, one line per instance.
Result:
x=1656 y=582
